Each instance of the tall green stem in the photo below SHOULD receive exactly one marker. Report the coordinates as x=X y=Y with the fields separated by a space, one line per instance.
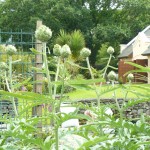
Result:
x=11 y=85
x=47 y=70
x=125 y=97
x=104 y=74
x=92 y=77
x=57 y=138
x=50 y=90
x=63 y=84
x=89 y=67
x=96 y=90
x=56 y=77
x=61 y=96
x=7 y=84
x=118 y=107
x=54 y=95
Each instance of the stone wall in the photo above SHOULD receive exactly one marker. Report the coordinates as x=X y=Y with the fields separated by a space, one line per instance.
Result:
x=131 y=112
x=6 y=108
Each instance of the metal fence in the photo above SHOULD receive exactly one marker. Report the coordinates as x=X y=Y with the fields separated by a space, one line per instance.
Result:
x=22 y=69
x=23 y=42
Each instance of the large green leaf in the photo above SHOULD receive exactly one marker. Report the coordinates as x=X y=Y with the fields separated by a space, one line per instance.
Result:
x=93 y=142
x=141 y=68
x=26 y=95
x=85 y=81
x=76 y=65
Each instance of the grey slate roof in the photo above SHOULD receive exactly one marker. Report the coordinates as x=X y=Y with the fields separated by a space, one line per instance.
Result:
x=147 y=52
x=126 y=52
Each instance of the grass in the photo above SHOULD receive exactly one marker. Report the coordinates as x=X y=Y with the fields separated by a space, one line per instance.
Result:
x=106 y=92
x=134 y=92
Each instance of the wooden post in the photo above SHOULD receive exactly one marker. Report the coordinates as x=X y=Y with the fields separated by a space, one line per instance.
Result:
x=37 y=111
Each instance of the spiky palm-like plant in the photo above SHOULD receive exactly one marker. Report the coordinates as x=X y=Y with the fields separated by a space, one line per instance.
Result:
x=75 y=40
x=63 y=38
x=76 y=43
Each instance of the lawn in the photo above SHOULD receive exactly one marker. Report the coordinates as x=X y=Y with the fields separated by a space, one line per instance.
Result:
x=134 y=91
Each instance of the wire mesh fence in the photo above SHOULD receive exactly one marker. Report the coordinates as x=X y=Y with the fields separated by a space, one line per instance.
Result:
x=23 y=41
x=23 y=62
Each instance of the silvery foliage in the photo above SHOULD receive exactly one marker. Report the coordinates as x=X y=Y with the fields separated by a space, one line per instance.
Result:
x=110 y=50
x=43 y=33
x=85 y=52
x=57 y=50
x=130 y=77
x=11 y=50
x=112 y=76
x=65 y=51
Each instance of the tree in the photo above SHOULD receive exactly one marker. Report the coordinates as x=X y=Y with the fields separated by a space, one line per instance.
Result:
x=62 y=38
x=111 y=33
x=136 y=14
x=103 y=56
x=100 y=21
x=75 y=40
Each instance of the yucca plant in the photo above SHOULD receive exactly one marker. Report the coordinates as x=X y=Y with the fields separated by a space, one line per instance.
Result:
x=76 y=43
x=63 y=38
x=75 y=40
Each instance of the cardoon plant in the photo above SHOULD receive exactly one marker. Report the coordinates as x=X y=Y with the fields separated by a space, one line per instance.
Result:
x=10 y=51
x=43 y=34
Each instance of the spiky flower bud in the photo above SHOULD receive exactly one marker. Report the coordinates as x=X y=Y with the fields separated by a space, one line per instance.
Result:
x=130 y=77
x=110 y=50
x=3 y=66
x=65 y=51
x=85 y=52
x=57 y=50
x=112 y=76
x=43 y=33
x=11 y=50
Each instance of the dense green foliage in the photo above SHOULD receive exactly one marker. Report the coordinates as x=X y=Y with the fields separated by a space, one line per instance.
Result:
x=39 y=122
x=103 y=132
x=75 y=40
x=101 y=21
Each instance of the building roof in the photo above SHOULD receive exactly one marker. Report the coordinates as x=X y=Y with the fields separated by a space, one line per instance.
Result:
x=147 y=52
x=127 y=51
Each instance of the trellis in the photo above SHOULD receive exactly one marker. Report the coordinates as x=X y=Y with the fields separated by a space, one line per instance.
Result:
x=23 y=42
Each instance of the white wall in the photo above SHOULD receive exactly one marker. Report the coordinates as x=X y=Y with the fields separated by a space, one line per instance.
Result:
x=149 y=72
x=139 y=46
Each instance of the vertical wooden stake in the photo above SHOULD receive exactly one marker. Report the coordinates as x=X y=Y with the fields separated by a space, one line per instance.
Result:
x=37 y=111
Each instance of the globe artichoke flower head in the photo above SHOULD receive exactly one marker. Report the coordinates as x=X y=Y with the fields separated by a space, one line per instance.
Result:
x=130 y=77
x=43 y=33
x=112 y=76
x=85 y=52
x=110 y=50
x=11 y=50
x=57 y=50
x=65 y=51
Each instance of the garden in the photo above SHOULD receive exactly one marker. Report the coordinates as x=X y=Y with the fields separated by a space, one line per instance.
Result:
x=73 y=111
